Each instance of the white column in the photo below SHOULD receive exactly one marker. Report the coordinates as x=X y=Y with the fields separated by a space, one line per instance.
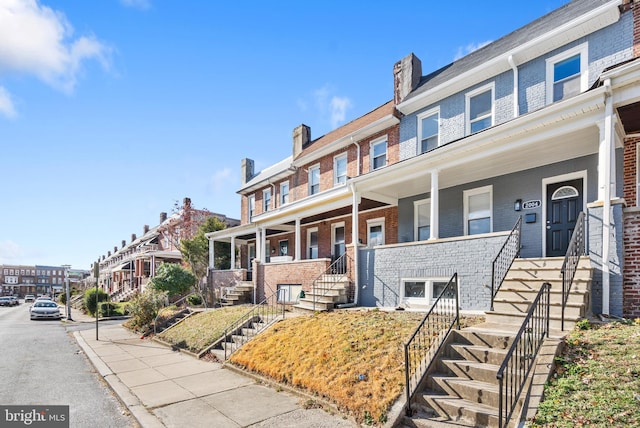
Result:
x=211 y=254
x=233 y=252
x=604 y=190
x=298 y=240
x=259 y=244
x=435 y=207
x=355 y=201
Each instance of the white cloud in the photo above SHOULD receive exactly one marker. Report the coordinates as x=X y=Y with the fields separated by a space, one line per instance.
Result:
x=137 y=4
x=37 y=40
x=222 y=180
x=330 y=106
x=6 y=104
x=339 y=107
x=466 y=50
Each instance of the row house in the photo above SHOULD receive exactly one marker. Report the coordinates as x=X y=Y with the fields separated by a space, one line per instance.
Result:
x=128 y=269
x=19 y=280
x=532 y=129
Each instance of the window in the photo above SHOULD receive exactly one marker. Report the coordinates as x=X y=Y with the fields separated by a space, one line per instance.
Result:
x=314 y=180
x=567 y=73
x=252 y=206
x=289 y=293
x=479 y=109
x=478 y=210
x=422 y=219
x=340 y=169
x=284 y=193
x=378 y=153
x=375 y=232
x=266 y=200
x=312 y=243
x=425 y=290
x=428 y=130
x=338 y=240
x=284 y=247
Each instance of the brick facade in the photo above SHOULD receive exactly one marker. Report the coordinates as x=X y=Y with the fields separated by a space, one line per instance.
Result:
x=631 y=270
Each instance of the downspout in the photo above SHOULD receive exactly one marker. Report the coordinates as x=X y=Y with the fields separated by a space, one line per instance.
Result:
x=357 y=155
x=514 y=67
x=606 y=207
x=356 y=250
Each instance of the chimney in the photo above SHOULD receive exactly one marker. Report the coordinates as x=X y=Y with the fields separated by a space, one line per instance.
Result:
x=246 y=168
x=108 y=253
x=406 y=76
x=163 y=217
x=301 y=137
x=115 y=249
x=187 y=203
x=123 y=243
x=146 y=228
x=133 y=237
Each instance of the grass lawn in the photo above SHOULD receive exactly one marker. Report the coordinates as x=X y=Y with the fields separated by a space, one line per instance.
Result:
x=598 y=379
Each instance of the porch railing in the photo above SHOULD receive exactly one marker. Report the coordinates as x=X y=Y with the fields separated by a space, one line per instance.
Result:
x=255 y=320
x=338 y=272
x=514 y=371
x=503 y=261
x=575 y=249
x=429 y=336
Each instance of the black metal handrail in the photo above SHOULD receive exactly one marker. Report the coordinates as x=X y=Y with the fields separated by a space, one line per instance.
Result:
x=575 y=250
x=337 y=272
x=427 y=339
x=260 y=316
x=503 y=261
x=514 y=371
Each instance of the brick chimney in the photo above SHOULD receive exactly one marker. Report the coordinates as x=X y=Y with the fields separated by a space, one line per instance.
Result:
x=246 y=169
x=145 y=229
x=133 y=237
x=115 y=249
x=406 y=77
x=301 y=137
x=124 y=243
x=108 y=253
x=163 y=217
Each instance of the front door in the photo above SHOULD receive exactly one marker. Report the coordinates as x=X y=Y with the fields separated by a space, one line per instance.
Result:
x=564 y=203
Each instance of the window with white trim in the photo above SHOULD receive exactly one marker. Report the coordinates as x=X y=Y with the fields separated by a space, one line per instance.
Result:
x=340 y=169
x=422 y=219
x=378 y=153
x=283 y=247
x=479 y=109
x=478 y=210
x=251 y=205
x=312 y=243
x=429 y=130
x=567 y=73
x=375 y=232
x=338 y=243
x=266 y=200
x=284 y=193
x=425 y=290
x=314 y=179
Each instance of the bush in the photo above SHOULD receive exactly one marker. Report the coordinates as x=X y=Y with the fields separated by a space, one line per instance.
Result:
x=109 y=309
x=194 y=299
x=144 y=307
x=90 y=299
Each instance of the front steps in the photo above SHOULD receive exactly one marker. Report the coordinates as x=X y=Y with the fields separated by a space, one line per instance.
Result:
x=235 y=339
x=329 y=291
x=240 y=294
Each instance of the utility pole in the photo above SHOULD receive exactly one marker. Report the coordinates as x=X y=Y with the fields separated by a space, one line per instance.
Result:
x=66 y=280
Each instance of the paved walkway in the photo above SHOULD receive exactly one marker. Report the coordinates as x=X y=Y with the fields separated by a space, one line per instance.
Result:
x=166 y=388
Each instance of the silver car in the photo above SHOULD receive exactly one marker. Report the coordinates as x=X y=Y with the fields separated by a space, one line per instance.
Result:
x=45 y=309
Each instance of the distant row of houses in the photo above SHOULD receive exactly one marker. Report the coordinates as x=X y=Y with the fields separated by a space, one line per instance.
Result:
x=20 y=280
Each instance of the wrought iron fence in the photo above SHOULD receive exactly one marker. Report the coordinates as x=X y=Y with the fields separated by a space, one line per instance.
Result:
x=338 y=272
x=514 y=371
x=503 y=261
x=575 y=250
x=251 y=323
x=429 y=336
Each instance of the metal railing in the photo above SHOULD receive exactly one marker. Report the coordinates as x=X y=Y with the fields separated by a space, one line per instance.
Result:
x=575 y=250
x=514 y=371
x=426 y=341
x=251 y=323
x=503 y=261
x=338 y=272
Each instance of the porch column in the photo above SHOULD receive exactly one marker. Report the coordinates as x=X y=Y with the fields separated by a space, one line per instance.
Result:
x=434 y=228
x=259 y=244
x=233 y=252
x=298 y=240
x=355 y=201
x=212 y=254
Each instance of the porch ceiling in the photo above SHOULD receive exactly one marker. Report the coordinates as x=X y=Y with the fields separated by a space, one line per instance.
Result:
x=630 y=118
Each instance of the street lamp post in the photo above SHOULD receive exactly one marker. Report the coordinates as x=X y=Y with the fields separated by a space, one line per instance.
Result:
x=66 y=283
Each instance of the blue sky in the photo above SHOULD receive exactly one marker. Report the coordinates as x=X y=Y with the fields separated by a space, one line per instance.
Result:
x=113 y=110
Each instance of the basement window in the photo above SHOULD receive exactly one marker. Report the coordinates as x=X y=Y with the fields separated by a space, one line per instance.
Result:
x=289 y=293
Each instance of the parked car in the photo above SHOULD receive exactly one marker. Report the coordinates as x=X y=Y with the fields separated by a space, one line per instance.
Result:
x=45 y=309
x=8 y=301
x=16 y=300
x=29 y=298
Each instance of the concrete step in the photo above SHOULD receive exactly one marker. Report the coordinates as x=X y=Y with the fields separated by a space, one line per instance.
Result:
x=307 y=304
x=515 y=320
x=463 y=369
x=526 y=283
x=555 y=296
x=471 y=390
x=479 y=336
x=480 y=354
x=521 y=307
x=460 y=410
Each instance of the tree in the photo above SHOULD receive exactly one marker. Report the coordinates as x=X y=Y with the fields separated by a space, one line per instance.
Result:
x=173 y=279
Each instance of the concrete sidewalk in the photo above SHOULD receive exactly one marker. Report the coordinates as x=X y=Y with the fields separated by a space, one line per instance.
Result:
x=166 y=388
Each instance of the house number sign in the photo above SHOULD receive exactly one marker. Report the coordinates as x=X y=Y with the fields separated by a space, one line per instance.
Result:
x=529 y=205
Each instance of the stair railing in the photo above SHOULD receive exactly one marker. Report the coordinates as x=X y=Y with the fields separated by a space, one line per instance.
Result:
x=339 y=269
x=503 y=261
x=260 y=316
x=177 y=304
x=428 y=338
x=516 y=367
x=575 y=250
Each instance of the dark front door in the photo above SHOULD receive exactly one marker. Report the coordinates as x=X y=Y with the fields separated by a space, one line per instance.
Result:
x=564 y=203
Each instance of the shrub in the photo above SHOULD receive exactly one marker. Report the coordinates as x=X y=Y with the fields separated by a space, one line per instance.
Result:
x=109 y=309
x=194 y=299
x=144 y=307
x=90 y=299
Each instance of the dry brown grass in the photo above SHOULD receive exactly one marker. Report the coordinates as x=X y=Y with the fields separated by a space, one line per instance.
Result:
x=354 y=359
